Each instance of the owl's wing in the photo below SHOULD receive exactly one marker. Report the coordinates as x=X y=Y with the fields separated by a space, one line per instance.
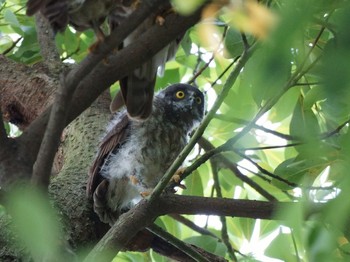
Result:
x=113 y=139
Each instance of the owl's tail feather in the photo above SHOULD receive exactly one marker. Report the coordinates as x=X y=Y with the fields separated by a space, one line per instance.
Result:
x=101 y=206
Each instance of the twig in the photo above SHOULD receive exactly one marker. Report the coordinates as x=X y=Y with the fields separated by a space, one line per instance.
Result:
x=199 y=72
x=226 y=147
x=177 y=243
x=266 y=130
x=13 y=45
x=211 y=151
x=224 y=234
x=48 y=50
x=266 y=172
x=193 y=226
x=226 y=88
x=245 y=41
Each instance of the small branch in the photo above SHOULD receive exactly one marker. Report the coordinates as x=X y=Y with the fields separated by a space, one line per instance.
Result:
x=335 y=131
x=211 y=151
x=266 y=130
x=224 y=234
x=49 y=145
x=193 y=226
x=13 y=45
x=48 y=50
x=266 y=172
x=200 y=71
x=177 y=243
x=245 y=41
x=226 y=88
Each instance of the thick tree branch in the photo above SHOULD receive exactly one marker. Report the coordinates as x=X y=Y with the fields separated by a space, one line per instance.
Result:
x=146 y=212
x=48 y=50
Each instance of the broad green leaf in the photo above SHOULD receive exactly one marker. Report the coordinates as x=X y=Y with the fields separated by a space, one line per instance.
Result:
x=304 y=124
x=34 y=218
x=187 y=7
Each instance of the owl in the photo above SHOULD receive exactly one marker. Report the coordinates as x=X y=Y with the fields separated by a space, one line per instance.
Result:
x=137 y=88
x=134 y=154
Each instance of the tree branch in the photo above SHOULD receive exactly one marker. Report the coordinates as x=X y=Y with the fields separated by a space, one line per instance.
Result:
x=212 y=151
x=146 y=212
x=193 y=226
x=266 y=130
x=48 y=50
x=224 y=235
x=177 y=243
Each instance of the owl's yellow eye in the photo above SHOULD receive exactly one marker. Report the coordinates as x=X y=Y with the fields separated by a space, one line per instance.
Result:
x=198 y=100
x=180 y=94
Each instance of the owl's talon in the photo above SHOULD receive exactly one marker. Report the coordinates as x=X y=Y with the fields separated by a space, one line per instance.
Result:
x=145 y=194
x=160 y=20
x=134 y=180
x=182 y=186
x=178 y=174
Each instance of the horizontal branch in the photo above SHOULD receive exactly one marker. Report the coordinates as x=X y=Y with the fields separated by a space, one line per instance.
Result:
x=146 y=212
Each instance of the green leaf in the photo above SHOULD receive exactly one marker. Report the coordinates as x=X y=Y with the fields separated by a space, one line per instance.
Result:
x=187 y=7
x=304 y=124
x=233 y=43
x=194 y=184
x=36 y=223
x=11 y=18
x=299 y=170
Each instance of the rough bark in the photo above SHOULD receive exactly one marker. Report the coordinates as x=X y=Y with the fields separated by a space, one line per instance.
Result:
x=25 y=91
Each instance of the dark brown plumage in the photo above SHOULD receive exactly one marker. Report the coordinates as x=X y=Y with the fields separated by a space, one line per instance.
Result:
x=134 y=155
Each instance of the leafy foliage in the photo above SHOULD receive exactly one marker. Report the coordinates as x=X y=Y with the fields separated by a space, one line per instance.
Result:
x=289 y=105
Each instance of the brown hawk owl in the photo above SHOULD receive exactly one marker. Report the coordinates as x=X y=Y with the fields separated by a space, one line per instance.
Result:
x=134 y=154
x=137 y=88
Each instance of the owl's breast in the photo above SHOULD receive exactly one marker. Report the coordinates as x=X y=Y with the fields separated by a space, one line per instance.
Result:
x=159 y=150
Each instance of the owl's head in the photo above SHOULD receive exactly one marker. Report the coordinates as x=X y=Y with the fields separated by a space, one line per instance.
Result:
x=182 y=103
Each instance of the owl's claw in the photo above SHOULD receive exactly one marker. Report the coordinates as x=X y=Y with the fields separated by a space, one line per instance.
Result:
x=176 y=178
x=145 y=194
x=160 y=20
x=134 y=180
